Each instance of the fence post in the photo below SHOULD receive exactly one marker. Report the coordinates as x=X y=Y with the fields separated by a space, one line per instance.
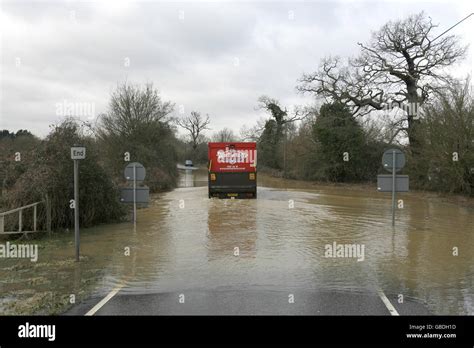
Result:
x=34 y=217
x=20 y=220
x=2 y=224
x=48 y=214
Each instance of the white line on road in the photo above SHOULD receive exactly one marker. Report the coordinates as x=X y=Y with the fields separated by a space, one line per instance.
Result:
x=105 y=300
x=387 y=303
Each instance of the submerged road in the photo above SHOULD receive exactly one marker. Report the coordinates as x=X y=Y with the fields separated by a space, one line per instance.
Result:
x=234 y=302
x=296 y=250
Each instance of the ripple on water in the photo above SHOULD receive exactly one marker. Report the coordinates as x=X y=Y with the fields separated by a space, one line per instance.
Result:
x=186 y=241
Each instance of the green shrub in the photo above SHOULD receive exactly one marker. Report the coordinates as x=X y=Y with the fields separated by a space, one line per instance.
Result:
x=51 y=173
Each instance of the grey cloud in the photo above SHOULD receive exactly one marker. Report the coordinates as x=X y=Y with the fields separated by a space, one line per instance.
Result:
x=191 y=60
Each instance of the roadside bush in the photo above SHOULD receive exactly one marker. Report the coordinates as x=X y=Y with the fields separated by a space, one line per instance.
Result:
x=447 y=131
x=21 y=144
x=269 y=146
x=51 y=173
x=336 y=132
x=138 y=123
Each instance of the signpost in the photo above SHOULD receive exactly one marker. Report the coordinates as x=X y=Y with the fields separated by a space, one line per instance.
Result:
x=393 y=160
x=135 y=172
x=77 y=153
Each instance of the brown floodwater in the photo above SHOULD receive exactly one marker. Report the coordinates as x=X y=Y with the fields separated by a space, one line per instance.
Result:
x=184 y=240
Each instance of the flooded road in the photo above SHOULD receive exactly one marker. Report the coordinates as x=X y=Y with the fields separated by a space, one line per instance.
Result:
x=278 y=242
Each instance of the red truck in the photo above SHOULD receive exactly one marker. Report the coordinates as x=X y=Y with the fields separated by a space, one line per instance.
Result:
x=232 y=170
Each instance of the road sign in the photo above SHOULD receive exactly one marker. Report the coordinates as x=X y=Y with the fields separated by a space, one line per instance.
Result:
x=140 y=172
x=387 y=160
x=136 y=172
x=384 y=183
x=78 y=152
x=142 y=194
x=393 y=160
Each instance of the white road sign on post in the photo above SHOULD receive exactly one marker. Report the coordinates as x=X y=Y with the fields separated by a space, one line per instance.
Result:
x=77 y=153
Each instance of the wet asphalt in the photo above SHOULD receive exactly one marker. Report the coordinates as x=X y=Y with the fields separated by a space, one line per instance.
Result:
x=235 y=302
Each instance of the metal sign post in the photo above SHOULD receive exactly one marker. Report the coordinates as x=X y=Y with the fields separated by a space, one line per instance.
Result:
x=134 y=193
x=77 y=153
x=135 y=172
x=76 y=208
x=394 y=174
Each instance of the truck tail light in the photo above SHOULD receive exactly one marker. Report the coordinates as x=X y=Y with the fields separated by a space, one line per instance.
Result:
x=251 y=176
x=213 y=176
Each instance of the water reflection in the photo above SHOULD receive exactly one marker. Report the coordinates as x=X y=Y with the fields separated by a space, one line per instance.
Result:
x=192 y=177
x=231 y=229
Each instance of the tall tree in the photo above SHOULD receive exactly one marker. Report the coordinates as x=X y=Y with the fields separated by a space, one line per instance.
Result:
x=133 y=109
x=195 y=124
x=338 y=134
x=268 y=145
x=137 y=123
x=224 y=135
x=281 y=115
x=401 y=65
x=273 y=135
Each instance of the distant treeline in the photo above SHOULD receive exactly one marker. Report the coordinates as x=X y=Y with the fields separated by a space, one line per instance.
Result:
x=12 y=135
x=331 y=144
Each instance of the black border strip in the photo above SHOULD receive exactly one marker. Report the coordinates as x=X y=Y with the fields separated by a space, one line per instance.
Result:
x=288 y=330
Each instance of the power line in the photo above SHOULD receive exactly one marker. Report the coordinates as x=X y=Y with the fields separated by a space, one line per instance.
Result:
x=444 y=32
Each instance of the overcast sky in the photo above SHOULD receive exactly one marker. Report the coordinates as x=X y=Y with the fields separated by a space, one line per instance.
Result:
x=213 y=57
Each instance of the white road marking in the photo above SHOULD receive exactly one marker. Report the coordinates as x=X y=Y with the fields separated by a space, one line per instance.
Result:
x=105 y=300
x=387 y=303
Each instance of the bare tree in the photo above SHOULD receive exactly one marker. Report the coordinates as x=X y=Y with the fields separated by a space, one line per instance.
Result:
x=281 y=115
x=195 y=124
x=224 y=135
x=132 y=109
x=138 y=123
x=252 y=133
x=403 y=63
